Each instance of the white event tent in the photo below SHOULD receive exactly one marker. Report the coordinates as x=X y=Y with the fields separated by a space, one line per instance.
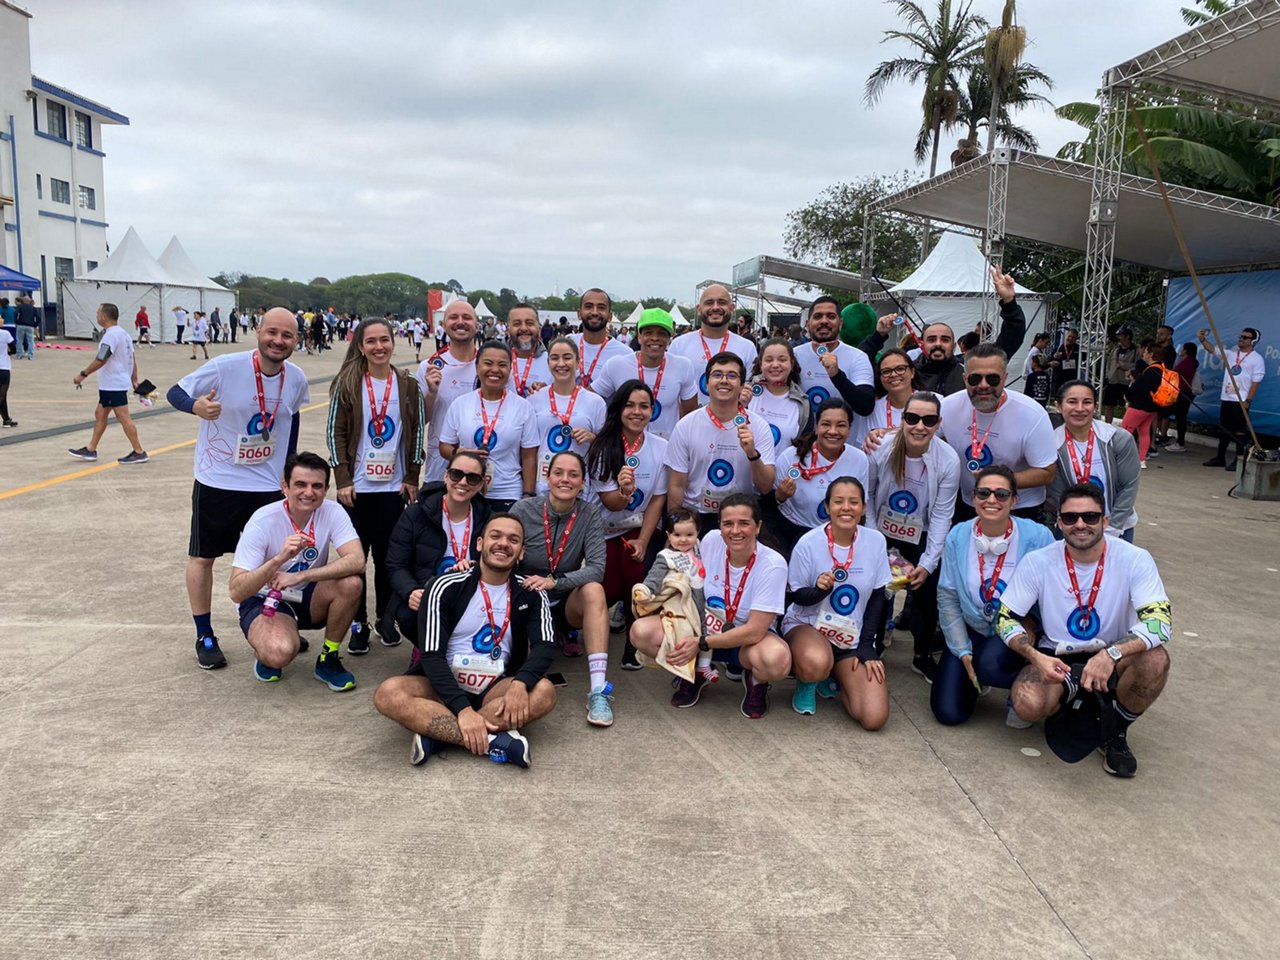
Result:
x=131 y=278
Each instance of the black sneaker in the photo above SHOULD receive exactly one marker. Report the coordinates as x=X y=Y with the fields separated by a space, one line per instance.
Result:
x=358 y=645
x=137 y=456
x=209 y=654
x=11 y=423
x=1117 y=759
x=84 y=453
x=927 y=667
x=629 y=661
x=1211 y=462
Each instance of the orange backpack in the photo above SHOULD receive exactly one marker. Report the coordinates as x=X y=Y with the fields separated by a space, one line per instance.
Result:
x=1166 y=395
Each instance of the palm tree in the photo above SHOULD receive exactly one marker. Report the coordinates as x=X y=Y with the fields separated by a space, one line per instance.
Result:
x=946 y=47
x=1212 y=10
x=1001 y=53
x=977 y=105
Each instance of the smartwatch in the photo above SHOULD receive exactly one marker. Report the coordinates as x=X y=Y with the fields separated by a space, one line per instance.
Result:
x=703 y=645
x=1115 y=654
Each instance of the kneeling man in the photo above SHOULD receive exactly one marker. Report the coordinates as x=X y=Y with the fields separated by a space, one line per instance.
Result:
x=283 y=581
x=1104 y=612
x=484 y=645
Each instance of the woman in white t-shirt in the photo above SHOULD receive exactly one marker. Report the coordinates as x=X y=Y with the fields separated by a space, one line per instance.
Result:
x=774 y=393
x=803 y=472
x=568 y=415
x=837 y=576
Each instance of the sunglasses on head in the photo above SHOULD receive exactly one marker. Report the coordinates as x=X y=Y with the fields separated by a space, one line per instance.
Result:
x=974 y=379
x=986 y=493
x=462 y=476
x=1070 y=518
x=928 y=419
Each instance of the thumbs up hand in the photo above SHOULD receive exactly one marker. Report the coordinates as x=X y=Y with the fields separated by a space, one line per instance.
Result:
x=208 y=407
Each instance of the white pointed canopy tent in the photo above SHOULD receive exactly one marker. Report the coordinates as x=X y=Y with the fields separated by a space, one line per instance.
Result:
x=483 y=312
x=953 y=286
x=132 y=278
x=678 y=318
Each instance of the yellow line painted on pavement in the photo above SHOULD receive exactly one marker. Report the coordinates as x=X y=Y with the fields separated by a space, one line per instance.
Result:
x=90 y=471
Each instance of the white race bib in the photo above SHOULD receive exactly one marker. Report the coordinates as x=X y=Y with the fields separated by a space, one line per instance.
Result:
x=711 y=499
x=899 y=526
x=476 y=673
x=841 y=631
x=253 y=449
x=711 y=621
x=380 y=465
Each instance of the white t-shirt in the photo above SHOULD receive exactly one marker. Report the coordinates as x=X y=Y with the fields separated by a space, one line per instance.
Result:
x=462 y=534
x=678 y=384
x=807 y=507
x=1130 y=582
x=885 y=416
x=697 y=351
x=270 y=526
x=814 y=381
x=840 y=613
x=474 y=636
x=588 y=414
x=592 y=358
x=651 y=481
x=117 y=372
x=1252 y=369
x=781 y=413
x=379 y=466
x=991 y=573
x=514 y=428
x=765 y=588
x=1031 y=355
x=6 y=338
x=456 y=380
x=231 y=453
x=713 y=459
x=910 y=499
x=526 y=371
x=200 y=330
x=180 y=318
x=1021 y=437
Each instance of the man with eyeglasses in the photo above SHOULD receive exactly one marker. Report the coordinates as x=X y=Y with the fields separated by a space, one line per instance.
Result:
x=988 y=424
x=713 y=337
x=829 y=367
x=719 y=449
x=1242 y=374
x=1106 y=620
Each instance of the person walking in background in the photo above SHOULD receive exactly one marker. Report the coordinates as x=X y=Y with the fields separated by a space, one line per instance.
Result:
x=119 y=374
x=27 y=321
x=1146 y=398
x=6 y=367
x=199 y=334
x=143 y=324
x=1187 y=368
x=180 y=320
x=1122 y=363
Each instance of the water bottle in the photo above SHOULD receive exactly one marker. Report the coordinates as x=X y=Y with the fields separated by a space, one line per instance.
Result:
x=272 y=602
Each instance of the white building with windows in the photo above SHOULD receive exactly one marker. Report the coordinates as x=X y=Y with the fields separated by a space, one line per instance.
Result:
x=52 y=198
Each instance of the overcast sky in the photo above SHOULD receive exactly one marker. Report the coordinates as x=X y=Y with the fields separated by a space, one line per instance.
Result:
x=642 y=147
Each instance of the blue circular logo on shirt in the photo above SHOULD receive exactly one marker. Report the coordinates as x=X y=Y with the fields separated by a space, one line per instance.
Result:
x=482 y=642
x=991 y=607
x=255 y=425
x=388 y=431
x=1098 y=482
x=657 y=410
x=637 y=498
x=817 y=395
x=777 y=436
x=903 y=501
x=844 y=599
x=823 y=514
x=557 y=442
x=1084 y=624
x=478 y=439
x=446 y=564
x=720 y=473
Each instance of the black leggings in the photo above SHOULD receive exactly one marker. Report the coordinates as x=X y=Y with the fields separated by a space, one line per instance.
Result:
x=4 y=394
x=923 y=622
x=953 y=697
x=1181 y=411
x=374 y=516
x=1234 y=429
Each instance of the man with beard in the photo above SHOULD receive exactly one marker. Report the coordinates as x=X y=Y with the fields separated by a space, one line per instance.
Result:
x=595 y=346
x=529 y=370
x=1103 y=611
x=987 y=424
x=940 y=370
x=715 y=312
x=486 y=643
x=828 y=367
x=248 y=404
x=447 y=374
x=672 y=379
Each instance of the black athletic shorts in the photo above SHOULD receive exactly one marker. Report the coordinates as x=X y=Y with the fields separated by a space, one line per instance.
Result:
x=300 y=613
x=218 y=517
x=1113 y=394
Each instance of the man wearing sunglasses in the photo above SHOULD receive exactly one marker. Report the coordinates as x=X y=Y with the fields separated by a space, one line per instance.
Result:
x=1242 y=374
x=987 y=424
x=1103 y=607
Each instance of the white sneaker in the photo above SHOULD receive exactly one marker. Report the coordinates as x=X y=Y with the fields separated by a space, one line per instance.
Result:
x=1011 y=719
x=617 y=617
x=1175 y=448
x=1142 y=465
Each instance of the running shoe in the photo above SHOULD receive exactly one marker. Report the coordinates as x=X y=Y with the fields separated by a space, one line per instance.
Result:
x=303 y=644
x=209 y=654
x=1175 y=448
x=84 y=453
x=1153 y=452
x=266 y=674
x=137 y=456
x=926 y=666
x=358 y=645
x=388 y=635
x=1117 y=759
x=11 y=423
x=828 y=689
x=330 y=671
x=1011 y=718
x=421 y=747
x=755 y=702
x=804 y=701
x=510 y=747
x=629 y=661
x=1211 y=462
x=617 y=617
x=599 y=711
x=573 y=645
x=687 y=693
x=1142 y=465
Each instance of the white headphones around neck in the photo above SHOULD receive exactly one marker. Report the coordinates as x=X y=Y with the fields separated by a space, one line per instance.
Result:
x=992 y=546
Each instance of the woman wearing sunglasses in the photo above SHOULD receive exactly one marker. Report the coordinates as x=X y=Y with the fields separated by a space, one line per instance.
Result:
x=569 y=415
x=564 y=556
x=978 y=563
x=774 y=393
x=912 y=494
x=628 y=473
x=435 y=534
x=897 y=379
x=803 y=472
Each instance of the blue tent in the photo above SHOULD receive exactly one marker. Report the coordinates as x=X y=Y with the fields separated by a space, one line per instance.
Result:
x=13 y=280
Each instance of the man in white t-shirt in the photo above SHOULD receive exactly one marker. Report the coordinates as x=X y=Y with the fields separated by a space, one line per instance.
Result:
x=829 y=368
x=282 y=579
x=988 y=424
x=595 y=347
x=671 y=378
x=117 y=370
x=447 y=374
x=248 y=404
x=1105 y=618
x=715 y=311
x=719 y=449
x=1242 y=375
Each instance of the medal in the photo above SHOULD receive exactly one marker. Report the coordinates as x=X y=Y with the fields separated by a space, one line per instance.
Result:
x=437 y=363
x=553 y=560
x=566 y=432
x=266 y=422
x=841 y=574
x=266 y=435
x=1084 y=611
x=629 y=451
x=756 y=390
x=794 y=473
x=1082 y=473
x=739 y=420
x=987 y=589
x=840 y=570
x=974 y=466
x=822 y=350
x=633 y=461
x=1235 y=370
x=377 y=443
x=488 y=428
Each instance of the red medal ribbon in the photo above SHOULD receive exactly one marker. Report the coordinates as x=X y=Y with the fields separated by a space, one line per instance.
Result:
x=554 y=561
x=813 y=470
x=586 y=377
x=888 y=414
x=522 y=383
x=310 y=533
x=458 y=554
x=1075 y=584
x=267 y=423
x=1082 y=476
x=831 y=549
x=657 y=384
x=975 y=451
x=720 y=424
x=379 y=416
x=484 y=417
x=706 y=347
x=493 y=626
x=731 y=610
x=573 y=398
x=985 y=588
x=628 y=449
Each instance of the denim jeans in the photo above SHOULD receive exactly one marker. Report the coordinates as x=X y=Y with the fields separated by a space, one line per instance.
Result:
x=26 y=342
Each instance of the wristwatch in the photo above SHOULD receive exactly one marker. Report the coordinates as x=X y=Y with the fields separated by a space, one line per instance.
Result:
x=1115 y=654
x=703 y=645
